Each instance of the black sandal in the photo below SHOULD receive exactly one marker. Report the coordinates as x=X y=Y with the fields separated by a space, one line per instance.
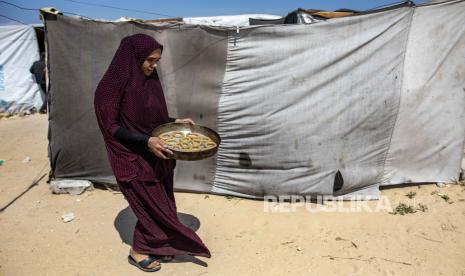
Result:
x=144 y=264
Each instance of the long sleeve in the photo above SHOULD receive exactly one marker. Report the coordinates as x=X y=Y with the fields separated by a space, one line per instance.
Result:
x=130 y=138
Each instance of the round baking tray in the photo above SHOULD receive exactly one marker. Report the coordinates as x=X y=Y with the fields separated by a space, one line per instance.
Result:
x=190 y=128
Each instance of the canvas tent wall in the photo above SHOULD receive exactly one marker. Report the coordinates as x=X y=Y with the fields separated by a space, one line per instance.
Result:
x=377 y=99
x=19 y=91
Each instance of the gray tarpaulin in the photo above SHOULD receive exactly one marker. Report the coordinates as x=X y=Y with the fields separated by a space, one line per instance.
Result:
x=377 y=98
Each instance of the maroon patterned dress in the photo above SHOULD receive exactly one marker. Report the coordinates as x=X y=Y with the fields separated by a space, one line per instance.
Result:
x=128 y=106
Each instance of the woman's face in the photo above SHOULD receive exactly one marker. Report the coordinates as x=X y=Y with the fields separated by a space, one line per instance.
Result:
x=150 y=62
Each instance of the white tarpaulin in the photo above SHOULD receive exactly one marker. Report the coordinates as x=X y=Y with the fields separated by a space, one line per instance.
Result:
x=18 y=50
x=428 y=130
x=341 y=86
x=371 y=100
x=227 y=20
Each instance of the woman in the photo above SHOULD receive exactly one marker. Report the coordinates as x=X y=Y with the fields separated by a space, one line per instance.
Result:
x=129 y=103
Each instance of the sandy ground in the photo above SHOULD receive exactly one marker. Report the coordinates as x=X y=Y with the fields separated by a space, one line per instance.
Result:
x=243 y=238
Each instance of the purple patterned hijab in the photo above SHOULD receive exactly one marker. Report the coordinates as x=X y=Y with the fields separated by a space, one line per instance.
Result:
x=126 y=98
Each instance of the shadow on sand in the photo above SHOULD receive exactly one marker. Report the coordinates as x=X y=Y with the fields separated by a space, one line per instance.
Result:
x=125 y=222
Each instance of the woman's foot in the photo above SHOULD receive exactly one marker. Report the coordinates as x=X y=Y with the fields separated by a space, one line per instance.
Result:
x=150 y=264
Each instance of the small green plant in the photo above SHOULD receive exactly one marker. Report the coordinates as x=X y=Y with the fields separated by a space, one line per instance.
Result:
x=411 y=195
x=422 y=208
x=403 y=209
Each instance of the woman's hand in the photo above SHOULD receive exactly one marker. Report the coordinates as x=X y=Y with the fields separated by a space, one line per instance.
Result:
x=185 y=121
x=156 y=146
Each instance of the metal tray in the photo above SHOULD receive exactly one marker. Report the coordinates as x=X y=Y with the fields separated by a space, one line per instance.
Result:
x=189 y=128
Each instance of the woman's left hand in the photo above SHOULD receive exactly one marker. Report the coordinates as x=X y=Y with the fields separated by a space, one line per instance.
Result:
x=185 y=121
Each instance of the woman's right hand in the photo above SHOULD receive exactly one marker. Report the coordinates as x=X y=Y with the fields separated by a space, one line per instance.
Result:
x=156 y=146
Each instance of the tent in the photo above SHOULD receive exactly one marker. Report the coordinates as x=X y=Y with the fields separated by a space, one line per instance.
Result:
x=338 y=108
x=301 y=16
x=19 y=91
x=228 y=20
x=241 y=20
